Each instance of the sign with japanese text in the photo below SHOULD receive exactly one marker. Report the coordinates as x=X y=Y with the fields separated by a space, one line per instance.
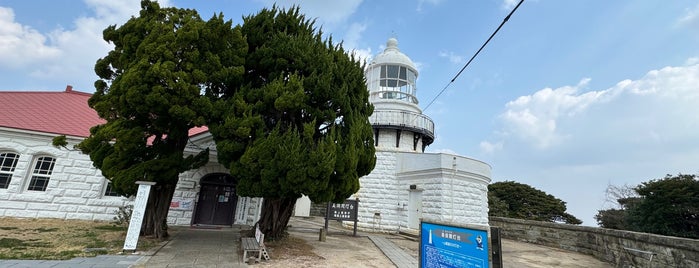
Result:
x=346 y=211
x=139 y=209
x=444 y=245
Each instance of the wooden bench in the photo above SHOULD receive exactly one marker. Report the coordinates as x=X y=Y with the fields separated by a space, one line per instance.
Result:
x=255 y=244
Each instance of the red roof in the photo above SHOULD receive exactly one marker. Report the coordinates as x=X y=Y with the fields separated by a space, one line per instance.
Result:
x=63 y=113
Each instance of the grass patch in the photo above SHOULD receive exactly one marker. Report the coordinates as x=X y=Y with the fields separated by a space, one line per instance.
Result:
x=111 y=228
x=10 y=243
x=55 y=239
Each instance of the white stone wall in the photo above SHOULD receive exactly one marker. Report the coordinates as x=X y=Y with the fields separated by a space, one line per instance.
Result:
x=454 y=189
x=387 y=141
x=75 y=189
x=378 y=193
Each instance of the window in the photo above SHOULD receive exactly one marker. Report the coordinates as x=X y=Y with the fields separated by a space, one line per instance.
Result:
x=8 y=162
x=109 y=191
x=399 y=79
x=41 y=173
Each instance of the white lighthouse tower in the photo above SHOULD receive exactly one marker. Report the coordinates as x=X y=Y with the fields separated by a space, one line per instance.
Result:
x=398 y=122
x=408 y=184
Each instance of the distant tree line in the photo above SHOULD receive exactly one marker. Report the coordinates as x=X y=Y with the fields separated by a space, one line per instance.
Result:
x=668 y=206
x=520 y=201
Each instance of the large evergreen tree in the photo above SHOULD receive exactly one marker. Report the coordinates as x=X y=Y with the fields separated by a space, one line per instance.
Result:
x=522 y=201
x=669 y=206
x=299 y=123
x=149 y=93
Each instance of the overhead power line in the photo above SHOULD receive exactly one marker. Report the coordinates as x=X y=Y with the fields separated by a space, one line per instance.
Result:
x=474 y=55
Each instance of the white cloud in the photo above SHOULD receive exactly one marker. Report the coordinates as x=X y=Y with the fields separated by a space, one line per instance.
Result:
x=490 y=148
x=420 y=3
x=533 y=118
x=659 y=108
x=64 y=54
x=21 y=45
x=690 y=17
x=352 y=39
x=453 y=58
x=509 y=4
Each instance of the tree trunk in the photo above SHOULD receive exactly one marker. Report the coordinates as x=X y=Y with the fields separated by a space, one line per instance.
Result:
x=275 y=216
x=155 y=219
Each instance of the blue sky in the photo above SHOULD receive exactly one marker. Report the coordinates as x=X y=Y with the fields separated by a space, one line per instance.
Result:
x=569 y=97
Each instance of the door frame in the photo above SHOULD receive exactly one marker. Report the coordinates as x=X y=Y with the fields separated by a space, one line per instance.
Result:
x=215 y=180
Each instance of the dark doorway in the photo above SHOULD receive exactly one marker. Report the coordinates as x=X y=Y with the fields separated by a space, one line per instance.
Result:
x=217 y=200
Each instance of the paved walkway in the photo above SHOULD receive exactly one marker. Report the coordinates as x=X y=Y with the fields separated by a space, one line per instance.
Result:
x=397 y=255
x=105 y=261
x=198 y=248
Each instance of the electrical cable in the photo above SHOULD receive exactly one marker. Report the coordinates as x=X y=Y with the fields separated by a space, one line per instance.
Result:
x=474 y=55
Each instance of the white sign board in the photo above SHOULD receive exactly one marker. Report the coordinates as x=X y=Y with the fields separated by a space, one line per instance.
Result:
x=139 y=209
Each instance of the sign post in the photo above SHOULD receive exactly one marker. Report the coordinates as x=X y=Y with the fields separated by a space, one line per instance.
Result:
x=447 y=245
x=139 y=210
x=346 y=211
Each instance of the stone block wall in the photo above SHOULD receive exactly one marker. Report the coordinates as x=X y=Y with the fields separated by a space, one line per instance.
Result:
x=459 y=200
x=379 y=197
x=624 y=248
x=75 y=189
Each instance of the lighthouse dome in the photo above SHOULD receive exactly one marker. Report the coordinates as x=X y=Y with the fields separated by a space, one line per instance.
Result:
x=391 y=55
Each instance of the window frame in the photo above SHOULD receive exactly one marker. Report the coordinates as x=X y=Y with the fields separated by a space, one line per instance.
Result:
x=6 y=172
x=109 y=190
x=40 y=175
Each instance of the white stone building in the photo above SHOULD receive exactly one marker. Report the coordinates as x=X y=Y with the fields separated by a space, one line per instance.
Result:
x=408 y=184
x=38 y=180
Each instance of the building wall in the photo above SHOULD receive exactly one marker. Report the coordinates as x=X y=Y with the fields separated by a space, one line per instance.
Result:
x=379 y=196
x=623 y=248
x=454 y=189
x=75 y=189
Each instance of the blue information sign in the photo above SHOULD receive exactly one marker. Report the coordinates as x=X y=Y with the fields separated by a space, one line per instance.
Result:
x=452 y=246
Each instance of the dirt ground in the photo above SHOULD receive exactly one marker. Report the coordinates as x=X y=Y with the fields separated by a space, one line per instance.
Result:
x=304 y=249
x=341 y=249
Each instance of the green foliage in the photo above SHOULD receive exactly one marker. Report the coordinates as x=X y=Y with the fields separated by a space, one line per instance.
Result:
x=299 y=122
x=150 y=92
x=669 y=206
x=496 y=207
x=521 y=201
x=59 y=141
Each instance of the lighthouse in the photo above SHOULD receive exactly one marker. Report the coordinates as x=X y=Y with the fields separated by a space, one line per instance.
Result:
x=407 y=183
x=398 y=122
